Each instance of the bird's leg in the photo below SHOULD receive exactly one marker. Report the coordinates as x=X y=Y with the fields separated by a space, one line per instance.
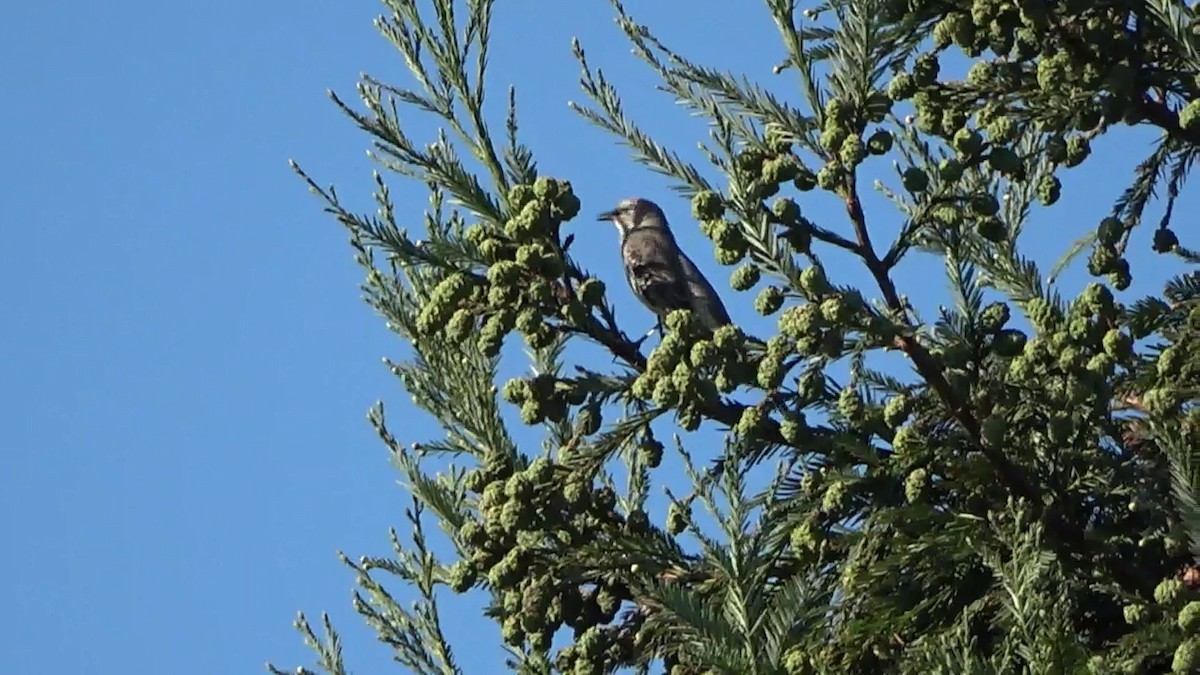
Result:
x=658 y=325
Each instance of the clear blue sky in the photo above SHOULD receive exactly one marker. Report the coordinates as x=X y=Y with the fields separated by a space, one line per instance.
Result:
x=188 y=364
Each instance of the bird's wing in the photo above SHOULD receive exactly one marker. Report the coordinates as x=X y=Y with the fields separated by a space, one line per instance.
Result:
x=653 y=270
x=704 y=298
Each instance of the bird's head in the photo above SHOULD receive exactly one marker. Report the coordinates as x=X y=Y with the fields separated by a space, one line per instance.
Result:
x=635 y=213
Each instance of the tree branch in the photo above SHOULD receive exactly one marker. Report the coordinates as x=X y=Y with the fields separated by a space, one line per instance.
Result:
x=929 y=369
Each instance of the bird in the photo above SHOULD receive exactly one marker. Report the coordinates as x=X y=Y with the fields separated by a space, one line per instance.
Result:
x=660 y=274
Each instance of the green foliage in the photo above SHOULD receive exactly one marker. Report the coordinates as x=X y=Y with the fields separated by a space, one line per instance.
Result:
x=1026 y=501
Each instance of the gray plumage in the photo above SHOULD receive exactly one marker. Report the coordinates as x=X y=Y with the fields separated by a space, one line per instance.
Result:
x=660 y=274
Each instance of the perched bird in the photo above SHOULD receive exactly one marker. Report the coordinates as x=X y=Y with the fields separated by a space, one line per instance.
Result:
x=660 y=274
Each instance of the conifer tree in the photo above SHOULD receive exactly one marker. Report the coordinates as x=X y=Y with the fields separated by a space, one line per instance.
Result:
x=1022 y=496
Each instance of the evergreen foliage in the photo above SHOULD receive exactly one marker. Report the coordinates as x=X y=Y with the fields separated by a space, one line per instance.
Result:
x=1026 y=499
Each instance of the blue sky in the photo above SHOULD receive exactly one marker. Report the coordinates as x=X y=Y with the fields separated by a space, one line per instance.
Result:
x=188 y=362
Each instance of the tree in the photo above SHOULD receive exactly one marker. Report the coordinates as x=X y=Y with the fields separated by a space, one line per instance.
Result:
x=1022 y=497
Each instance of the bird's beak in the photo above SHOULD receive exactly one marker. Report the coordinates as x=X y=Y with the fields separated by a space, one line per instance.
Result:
x=607 y=215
